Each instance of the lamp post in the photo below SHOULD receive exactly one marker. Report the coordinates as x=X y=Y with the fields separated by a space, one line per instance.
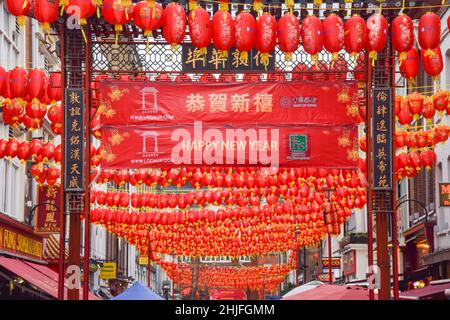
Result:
x=395 y=243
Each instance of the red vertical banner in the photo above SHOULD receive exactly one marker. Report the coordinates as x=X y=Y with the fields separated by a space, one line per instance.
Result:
x=47 y=217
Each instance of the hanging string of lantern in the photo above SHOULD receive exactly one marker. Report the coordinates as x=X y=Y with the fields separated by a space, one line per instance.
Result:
x=246 y=32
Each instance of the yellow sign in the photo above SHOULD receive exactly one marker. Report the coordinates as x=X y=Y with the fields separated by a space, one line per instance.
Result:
x=108 y=271
x=17 y=242
x=143 y=260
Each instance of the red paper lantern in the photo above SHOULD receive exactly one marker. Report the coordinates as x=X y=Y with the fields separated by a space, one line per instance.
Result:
x=148 y=16
x=223 y=31
x=312 y=36
x=266 y=36
x=35 y=85
x=54 y=88
x=429 y=32
x=244 y=31
x=17 y=81
x=441 y=101
x=402 y=31
x=404 y=116
x=333 y=34
x=433 y=64
x=117 y=13
x=20 y=9
x=36 y=110
x=415 y=102
x=174 y=24
x=428 y=111
x=355 y=35
x=428 y=157
x=377 y=26
x=288 y=34
x=3 y=80
x=46 y=12
x=200 y=29
x=410 y=66
x=11 y=148
x=23 y=151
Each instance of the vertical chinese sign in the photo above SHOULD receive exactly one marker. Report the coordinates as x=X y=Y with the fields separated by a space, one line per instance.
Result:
x=382 y=139
x=47 y=218
x=74 y=140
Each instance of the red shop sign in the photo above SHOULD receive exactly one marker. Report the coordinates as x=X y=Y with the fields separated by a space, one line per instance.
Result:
x=47 y=219
x=198 y=144
x=283 y=103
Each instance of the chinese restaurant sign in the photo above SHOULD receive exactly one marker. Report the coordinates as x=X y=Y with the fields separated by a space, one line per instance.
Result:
x=213 y=60
x=74 y=139
x=444 y=194
x=124 y=103
x=382 y=139
x=47 y=215
x=269 y=146
x=18 y=242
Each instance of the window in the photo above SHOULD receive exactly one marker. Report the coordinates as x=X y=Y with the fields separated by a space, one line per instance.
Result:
x=350 y=225
x=9 y=39
x=219 y=259
x=245 y=259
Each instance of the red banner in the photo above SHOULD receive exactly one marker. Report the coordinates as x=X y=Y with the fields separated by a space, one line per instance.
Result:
x=259 y=103
x=47 y=214
x=198 y=144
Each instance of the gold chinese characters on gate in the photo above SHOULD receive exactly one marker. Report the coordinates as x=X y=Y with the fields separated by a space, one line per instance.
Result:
x=74 y=138
x=382 y=154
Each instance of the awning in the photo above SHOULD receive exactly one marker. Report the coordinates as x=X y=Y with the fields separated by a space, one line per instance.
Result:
x=31 y=275
x=54 y=276
x=332 y=292
x=435 y=291
x=37 y=275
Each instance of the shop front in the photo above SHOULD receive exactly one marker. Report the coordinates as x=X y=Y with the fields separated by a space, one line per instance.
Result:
x=19 y=245
x=418 y=245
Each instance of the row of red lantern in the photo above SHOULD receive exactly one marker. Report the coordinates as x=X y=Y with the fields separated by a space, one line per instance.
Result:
x=34 y=150
x=201 y=198
x=31 y=114
x=286 y=212
x=433 y=64
x=416 y=139
x=229 y=197
x=415 y=105
x=409 y=164
x=33 y=86
x=252 y=278
x=221 y=239
x=218 y=177
x=49 y=175
x=38 y=151
x=45 y=11
x=246 y=32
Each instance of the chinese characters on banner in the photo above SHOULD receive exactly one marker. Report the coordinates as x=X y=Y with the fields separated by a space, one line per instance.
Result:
x=74 y=140
x=47 y=218
x=125 y=103
x=213 y=60
x=382 y=139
